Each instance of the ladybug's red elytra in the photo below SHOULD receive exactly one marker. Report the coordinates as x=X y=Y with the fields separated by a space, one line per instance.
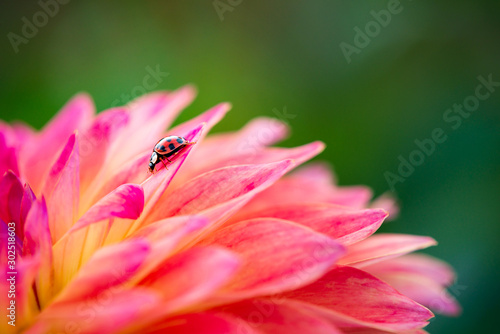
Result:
x=165 y=148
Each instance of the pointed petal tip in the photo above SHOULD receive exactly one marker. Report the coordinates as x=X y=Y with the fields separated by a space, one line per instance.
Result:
x=188 y=92
x=315 y=148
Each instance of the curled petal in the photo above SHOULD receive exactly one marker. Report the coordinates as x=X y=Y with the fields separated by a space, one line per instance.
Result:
x=126 y=201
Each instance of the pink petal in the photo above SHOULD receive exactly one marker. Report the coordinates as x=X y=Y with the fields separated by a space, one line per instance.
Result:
x=28 y=199
x=365 y=330
x=38 y=242
x=211 y=117
x=62 y=190
x=171 y=228
x=217 y=187
x=150 y=116
x=135 y=170
x=291 y=189
x=248 y=141
x=258 y=133
x=126 y=201
x=267 y=316
x=167 y=235
x=95 y=142
x=11 y=197
x=384 y=246
x=317 y=172
x=343 y=224
x=107 y=269
x=277 y=256
x=201 y=323
x=91 y=231
x=265 y=155
x=155 y=187
x=353 y=298
x=38 y=155
x=112 y=312
x=8 y=157
x=417 y=264
x=191 y=276
x=388 y=203
x=420 y=277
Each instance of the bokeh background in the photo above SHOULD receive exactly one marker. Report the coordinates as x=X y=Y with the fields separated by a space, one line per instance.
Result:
x=286 y=55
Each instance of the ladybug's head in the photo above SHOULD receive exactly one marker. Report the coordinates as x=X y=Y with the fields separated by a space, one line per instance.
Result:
x=151 y=167
x=153 y=161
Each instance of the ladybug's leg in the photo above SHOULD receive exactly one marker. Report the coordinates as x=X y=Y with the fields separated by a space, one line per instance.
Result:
x=163 y=162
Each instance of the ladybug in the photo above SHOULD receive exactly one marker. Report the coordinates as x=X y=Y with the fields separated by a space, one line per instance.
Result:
x=165 y=148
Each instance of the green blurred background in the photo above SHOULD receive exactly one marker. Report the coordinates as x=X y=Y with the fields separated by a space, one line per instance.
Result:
x=270 y=55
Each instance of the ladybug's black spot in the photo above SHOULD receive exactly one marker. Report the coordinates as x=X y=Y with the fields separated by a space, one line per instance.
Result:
x=169 y=140
x=162 y=148
x=171 y=146
x=179 y=140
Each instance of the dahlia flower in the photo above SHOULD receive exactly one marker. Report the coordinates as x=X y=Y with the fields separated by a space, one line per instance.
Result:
x=226 y=239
